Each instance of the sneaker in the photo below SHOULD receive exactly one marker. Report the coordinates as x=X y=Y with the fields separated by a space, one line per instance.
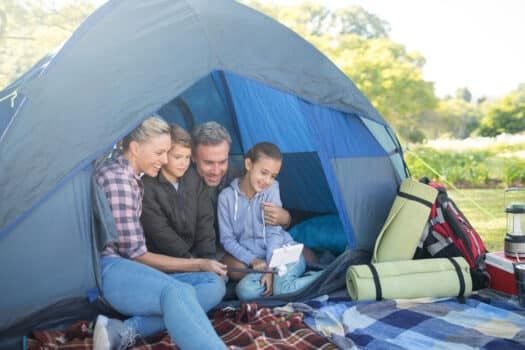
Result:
x=112 y=334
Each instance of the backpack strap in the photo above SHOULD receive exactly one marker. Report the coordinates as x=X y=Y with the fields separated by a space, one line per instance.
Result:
x=414 y=198
x=461 y=294
x=377 y=282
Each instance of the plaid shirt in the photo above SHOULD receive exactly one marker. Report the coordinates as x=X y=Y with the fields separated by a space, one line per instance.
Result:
x=124 y=191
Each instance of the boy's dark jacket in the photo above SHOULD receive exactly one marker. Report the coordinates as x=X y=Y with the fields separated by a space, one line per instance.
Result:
x=179 y=222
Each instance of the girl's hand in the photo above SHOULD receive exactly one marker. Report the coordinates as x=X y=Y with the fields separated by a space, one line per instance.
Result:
x=212 y=266
x=267 y=282
x=259 y=265
x=276 y=215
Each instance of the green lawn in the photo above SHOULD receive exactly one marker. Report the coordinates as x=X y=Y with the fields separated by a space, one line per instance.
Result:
x=491 y=225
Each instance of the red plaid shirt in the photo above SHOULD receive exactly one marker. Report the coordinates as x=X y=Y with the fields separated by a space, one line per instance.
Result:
x=124 y=191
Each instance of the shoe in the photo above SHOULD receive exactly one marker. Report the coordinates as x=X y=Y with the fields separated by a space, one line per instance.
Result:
x=112 y=334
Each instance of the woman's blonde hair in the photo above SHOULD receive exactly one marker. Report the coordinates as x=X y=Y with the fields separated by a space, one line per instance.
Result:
x=151 y=127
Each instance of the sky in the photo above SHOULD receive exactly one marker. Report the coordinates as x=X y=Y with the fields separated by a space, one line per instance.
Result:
x=466 y=43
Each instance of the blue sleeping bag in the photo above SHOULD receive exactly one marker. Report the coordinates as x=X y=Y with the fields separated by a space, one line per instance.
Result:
x=321 y=233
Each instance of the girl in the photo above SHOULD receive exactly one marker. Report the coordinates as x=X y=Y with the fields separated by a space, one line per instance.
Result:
x=247 y=240
x=139 y=283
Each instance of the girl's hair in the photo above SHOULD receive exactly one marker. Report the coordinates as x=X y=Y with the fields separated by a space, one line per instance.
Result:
x=180 y=136
x=151 y=127
x=263 y=149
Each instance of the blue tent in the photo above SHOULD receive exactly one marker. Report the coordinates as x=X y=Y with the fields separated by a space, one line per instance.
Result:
x=192 y=61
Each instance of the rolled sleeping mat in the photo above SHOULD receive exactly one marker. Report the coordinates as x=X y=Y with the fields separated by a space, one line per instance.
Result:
x=437 y=277
x=404 y=225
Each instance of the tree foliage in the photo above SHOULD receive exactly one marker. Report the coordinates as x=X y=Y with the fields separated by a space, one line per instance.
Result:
x=506 y=115
x=464 y=94
x=457 y=117
x=388 y=75
x=358 y=43
x=29 y=29
x=356 y=40
x=310 y=18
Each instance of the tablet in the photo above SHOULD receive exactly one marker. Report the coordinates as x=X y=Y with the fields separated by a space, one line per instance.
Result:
x=286 y=255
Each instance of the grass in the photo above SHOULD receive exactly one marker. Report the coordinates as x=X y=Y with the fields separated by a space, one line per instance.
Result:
x=490 y=221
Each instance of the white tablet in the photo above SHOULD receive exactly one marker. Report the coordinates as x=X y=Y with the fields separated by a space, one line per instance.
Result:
x=286 y=255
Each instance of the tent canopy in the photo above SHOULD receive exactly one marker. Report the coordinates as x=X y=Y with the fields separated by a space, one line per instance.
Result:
x=190 y=61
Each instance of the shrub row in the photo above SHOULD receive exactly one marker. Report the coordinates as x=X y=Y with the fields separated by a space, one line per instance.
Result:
x=485 y=168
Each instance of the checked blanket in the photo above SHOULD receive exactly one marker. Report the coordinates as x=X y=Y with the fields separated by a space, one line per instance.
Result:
x=256 y=328
x=250 y=327
x=419 y=324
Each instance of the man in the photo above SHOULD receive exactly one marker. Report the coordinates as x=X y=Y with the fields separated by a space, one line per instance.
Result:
x=211 y=146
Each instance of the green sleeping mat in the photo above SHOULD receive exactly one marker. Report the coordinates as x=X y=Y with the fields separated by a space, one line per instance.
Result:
x=438 y=277
x=401 y=232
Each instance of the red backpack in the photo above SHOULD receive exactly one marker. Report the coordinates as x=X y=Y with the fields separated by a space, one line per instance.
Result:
x=448 y=233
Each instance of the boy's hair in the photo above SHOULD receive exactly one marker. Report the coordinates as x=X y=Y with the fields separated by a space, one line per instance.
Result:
x=153 y=126
x=263 y=149
x=180 y=136
x=210 y=133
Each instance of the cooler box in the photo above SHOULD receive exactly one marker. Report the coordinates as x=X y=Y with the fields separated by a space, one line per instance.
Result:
x=501 y=270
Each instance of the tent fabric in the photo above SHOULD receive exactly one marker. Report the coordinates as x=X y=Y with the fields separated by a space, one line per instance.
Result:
x=263 y=121
x=190 y=61
x=49 y=257
x=131 y=40
x=332 y=128
x=368 y=197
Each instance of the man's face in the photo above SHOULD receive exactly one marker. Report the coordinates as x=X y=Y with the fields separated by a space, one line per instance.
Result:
x=211 y=162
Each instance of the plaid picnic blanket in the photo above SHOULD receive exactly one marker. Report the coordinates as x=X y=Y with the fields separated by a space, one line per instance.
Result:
x=250 y=327
x=418 y=324
x=79 y=337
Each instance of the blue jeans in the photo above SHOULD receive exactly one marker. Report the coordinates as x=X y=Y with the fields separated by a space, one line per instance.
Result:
x=156 y=301
x=250 y=287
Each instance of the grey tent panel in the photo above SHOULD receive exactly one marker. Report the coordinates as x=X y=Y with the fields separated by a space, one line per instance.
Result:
x=125 y=62
x=367 y=187
x=389 y=144
x=40 y=263
x=131 y=57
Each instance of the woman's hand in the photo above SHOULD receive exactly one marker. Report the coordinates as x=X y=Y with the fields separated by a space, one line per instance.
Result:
x=267 y=282
x=259 y=265
x=212 y=266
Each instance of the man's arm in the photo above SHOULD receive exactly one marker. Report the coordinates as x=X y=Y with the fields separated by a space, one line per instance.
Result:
x=204 y=245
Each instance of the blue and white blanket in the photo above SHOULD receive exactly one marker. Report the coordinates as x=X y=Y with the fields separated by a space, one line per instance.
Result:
x=416 y=324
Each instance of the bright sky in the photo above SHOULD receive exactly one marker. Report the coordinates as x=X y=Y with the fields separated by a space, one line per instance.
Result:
x=467 y=43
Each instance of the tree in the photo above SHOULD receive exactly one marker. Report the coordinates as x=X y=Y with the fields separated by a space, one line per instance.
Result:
x=506 y=115
x=356 y=20
x=309 y=18
x=358 y=43
x=33 y=28
x=390 y=76
x=464 y=94
x=456 y=117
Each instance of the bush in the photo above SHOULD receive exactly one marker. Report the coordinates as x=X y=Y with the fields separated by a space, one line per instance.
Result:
x=416 y=135
x=514 y=172
x=474 y=162
x=461 y=169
